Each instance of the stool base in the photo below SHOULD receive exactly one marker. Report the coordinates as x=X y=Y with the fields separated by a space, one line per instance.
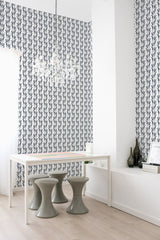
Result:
x=46 y=209
x=49 y=214
x=77 y=205
x=58 y=197
x=37 y=198
x=57 y=194
x=77 y=209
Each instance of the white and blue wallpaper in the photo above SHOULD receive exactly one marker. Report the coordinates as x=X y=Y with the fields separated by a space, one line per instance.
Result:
x=147 y=27
x=51 y=118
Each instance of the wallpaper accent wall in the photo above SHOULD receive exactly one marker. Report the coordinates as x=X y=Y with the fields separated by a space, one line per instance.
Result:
x=50 y=118
x=147 y=26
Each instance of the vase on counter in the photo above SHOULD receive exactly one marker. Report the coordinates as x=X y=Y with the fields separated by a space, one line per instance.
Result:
x=130 y=160
x=136 y=153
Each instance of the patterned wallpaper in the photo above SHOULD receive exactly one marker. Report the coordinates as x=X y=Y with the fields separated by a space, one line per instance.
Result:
x=147 y=25
x=50 y=118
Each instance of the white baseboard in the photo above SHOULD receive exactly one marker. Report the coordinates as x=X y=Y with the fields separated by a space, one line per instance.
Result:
x=98 y=198
x=137 y=213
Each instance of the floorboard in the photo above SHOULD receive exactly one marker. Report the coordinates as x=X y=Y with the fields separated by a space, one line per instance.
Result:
x=102 y=222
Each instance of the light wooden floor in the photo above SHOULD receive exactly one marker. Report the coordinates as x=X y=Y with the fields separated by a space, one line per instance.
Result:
x=101 y=223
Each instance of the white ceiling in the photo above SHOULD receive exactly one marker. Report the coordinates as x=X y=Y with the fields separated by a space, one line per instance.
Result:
x=78 y=9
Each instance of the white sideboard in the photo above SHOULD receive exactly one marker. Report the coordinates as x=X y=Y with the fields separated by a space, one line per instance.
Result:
x=137 y=192
x=133 y=190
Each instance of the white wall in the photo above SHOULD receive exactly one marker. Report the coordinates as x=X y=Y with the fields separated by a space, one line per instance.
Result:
x=113 y=69
x=113 y=78
x=125 y=79
x=78 y=9
x=104 y=88
x=9 y=112
x=97 y=189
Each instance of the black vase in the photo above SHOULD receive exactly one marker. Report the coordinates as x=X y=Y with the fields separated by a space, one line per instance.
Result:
x=136 y=154
x=130 y=160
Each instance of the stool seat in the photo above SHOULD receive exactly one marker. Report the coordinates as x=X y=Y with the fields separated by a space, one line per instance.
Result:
x=47 y=181
x=77 y=205
x=46 y=209
x=36 y=201
x=77 y=179
x=58 y=195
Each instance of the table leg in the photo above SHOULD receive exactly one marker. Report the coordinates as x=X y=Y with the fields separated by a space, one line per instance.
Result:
x=10 y=181
x=26 y=194
x=109 y=184
x=84 y=174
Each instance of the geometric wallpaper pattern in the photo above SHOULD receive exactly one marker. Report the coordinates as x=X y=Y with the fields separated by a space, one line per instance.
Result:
x=147 y=30
x=51 y=118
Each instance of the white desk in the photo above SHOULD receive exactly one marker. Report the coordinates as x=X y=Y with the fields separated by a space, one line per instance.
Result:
x=34 y=159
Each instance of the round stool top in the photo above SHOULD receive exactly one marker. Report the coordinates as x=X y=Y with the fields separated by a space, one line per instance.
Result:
x=46 y=181
x=37 y=176
x=57 y=173
x=77 y=179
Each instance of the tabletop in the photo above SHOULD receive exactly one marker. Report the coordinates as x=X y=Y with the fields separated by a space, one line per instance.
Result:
x=56 y=157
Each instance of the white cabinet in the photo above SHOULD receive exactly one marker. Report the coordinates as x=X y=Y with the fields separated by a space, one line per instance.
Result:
x=137 y=192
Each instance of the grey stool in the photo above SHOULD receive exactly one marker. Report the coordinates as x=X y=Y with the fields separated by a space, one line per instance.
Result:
x=77 y=206
x=58 y=195
x=46 y=209
x=36 y=201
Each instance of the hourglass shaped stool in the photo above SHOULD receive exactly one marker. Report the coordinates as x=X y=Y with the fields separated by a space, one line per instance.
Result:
x=77 y=206
x=46 y=209
x=58 y=195
x=36 y=201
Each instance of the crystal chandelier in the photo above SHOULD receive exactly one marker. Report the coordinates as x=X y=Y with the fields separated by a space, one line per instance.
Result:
x=56 y=70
